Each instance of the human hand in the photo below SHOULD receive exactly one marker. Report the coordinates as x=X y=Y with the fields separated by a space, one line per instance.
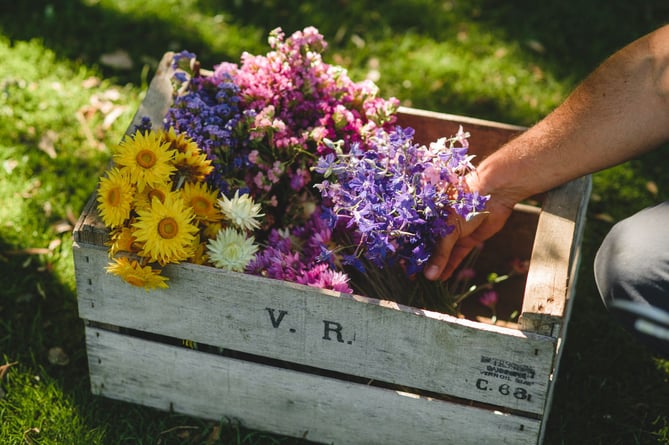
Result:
x=454 y=248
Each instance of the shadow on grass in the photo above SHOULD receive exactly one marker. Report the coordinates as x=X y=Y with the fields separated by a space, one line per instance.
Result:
x=77 y=31
x=610 y=389
x=573 y=35
x=566 y=39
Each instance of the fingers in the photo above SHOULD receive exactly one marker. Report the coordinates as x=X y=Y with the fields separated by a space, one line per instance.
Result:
x=453 y=248
x=448 y=255
x=460 y=251
x=440 y=257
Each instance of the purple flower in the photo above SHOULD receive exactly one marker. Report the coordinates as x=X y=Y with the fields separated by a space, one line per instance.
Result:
x=489 y=299
x=398 y=195
x=341 y=186
x=322 y=276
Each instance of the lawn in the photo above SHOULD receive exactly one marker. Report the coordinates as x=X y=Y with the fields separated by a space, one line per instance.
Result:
x=73 y=72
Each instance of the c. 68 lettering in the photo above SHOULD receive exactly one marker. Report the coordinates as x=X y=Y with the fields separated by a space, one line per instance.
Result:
x=504 y=389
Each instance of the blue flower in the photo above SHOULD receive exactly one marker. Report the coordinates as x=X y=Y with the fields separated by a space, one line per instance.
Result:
x=398 y=195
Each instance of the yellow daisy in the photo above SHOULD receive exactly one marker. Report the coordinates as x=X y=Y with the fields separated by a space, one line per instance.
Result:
x=231 y=250
x=160 y=191
x=147 y=159
x=122 y=240
x=115 y=198
x=166 y=230
x=202 y=200
x=133 y=273
x=189 y=160
x=241 y=211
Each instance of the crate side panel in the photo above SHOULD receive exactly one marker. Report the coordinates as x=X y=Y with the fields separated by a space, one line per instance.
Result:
x=575 y=265
x=286 y=401
x=485 y=136
x=353 y=335
x=553 y=255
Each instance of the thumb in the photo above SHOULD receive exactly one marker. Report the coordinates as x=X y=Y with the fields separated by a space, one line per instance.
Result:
x=441 y=255
x=453 y=248
x=450 y=252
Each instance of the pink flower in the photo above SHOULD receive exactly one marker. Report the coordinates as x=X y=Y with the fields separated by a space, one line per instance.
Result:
x=253 y=157
x=489 y=299
x=323 y=277
x=520 y=266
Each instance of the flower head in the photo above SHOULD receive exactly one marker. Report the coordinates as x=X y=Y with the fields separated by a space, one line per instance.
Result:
x=115 y=198
x=133 y=273
x=241 y=211
x=146 y=158
x=121 y=239
x=166 y=230
x=191 y=163
x=489 y=299
x=231 y=250
x=202 y=200
x=159 y=191
x=324 y=277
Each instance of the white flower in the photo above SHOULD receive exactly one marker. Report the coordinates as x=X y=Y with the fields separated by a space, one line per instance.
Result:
x=231 y=250
x=241 y=211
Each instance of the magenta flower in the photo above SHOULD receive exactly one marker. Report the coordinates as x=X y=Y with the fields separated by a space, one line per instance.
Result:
x=489 y=299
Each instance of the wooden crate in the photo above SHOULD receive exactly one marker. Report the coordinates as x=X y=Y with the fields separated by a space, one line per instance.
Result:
x=337 y=368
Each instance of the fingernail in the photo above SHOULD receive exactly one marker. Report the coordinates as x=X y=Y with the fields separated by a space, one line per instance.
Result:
x=431 y=272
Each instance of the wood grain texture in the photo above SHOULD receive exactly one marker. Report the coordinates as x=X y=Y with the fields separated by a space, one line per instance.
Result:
x=554 y=258
x=284 y=401
x=485 y=136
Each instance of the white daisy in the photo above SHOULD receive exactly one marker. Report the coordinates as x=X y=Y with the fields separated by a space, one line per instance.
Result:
x=231 y=250
x=241 y=211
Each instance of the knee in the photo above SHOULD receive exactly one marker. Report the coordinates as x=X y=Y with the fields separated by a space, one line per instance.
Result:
x=633 y=260
x=622 y=261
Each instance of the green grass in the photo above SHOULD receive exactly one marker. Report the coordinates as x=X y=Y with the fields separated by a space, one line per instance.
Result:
x=506 y=61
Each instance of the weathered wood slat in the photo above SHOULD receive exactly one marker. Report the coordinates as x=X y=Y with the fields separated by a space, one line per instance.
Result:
x=553 y=257
x=350 y=334
x=485 y=136
x=574 y=265
x=284 y=401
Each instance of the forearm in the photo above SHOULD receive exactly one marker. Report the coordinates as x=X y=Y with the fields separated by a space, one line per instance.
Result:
x=620 y=111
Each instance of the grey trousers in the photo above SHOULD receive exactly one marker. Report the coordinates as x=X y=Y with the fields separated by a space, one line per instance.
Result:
x=633 y=264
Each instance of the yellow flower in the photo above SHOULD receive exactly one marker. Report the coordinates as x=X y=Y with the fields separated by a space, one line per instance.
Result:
x=199 y=253
x=241 y=211
x=121 y=240
x=143 y=198
x=189 y=160
x=166 y=231
x=231 y=250
x=114 y=198
x=202 y=200
x=133 y=273
x=147 y=159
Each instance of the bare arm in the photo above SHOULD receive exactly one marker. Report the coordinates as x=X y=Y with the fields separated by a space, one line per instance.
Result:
x=620 y=111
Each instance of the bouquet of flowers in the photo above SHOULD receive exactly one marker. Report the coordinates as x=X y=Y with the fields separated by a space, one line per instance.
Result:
x=282 y=166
